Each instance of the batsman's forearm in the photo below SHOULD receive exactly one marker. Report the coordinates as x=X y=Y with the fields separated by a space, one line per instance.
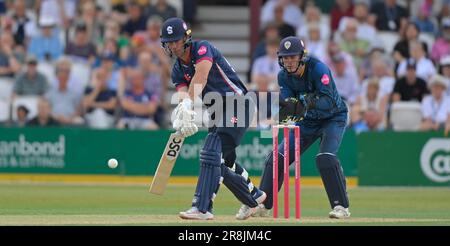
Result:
x=196 y=87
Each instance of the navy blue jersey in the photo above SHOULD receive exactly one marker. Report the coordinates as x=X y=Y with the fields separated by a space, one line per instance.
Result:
x=317 y=80
x=221 y=78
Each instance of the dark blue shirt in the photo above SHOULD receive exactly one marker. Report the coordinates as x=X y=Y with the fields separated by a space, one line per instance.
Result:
x=144 y=97
x=103 y=96
x=316 y=80
x=222 y=78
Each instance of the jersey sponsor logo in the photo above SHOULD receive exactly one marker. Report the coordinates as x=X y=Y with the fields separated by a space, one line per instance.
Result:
x=169 y=30
x=202 y=50
x=325 y=79
x=234 y=120
x=187 y=77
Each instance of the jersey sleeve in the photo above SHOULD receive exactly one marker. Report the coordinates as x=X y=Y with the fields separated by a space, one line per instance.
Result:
x=177 y=77
x=285 y=90
x=322 y=80
x=204 y=51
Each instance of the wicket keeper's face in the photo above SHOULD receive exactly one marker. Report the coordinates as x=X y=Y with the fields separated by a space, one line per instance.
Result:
x=177 y=47
x=291 y=63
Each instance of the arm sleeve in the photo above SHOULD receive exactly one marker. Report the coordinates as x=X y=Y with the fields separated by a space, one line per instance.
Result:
x=322 y=79
x=203 y=52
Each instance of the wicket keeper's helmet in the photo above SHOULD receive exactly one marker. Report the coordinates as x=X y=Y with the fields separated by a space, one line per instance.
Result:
x=291 y=46
x=174 y=29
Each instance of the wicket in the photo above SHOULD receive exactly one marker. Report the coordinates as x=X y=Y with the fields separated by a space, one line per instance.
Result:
x=286 y=163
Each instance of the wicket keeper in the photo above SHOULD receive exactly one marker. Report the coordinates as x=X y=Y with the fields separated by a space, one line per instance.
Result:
x=308 y=96
x=201 y=65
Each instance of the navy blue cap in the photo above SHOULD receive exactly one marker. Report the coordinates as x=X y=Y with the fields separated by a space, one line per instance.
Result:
x=173 y=29
x=291 y=46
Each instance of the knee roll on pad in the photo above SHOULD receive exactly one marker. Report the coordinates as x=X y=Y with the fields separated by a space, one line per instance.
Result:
x=333 y=179
x=210 y=172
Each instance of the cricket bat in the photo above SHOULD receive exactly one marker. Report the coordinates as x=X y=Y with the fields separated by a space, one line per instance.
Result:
x=166 y=164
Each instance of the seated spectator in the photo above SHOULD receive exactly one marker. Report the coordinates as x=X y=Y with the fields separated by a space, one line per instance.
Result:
x=265 y=69
x=270 y=32
x=44 y=117
x=313 y=16
x=369 y=111
x=21 y=18
x=314 y=44
x=423 y=18
x=162 y=9
x=139 y=105
x=292 y=14
x=10 y=60
x=381 y=73
x=47 y=46
x=389 y=16
x=108 y=62
x=22 y=114
x=92 y=19
x=153 y=75
x=31 y=82
x=402 y=47
x=441 y=46
x=284 y=29
x=341 y=8
x=365 y=30
x=64 y=100
x=410 y=87
x=349 y=42
x=81 y=48
x=137 y=20
x=435 y=107
x=333 y=50
x=424 y=68
x=345 y=79
x=444 y=70
x=111 y=34
x=63 y=68
x=99 y=102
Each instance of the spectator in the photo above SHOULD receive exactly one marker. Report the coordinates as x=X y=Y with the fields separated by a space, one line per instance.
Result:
x=81 y=47
x=162 y=9
x=10 y=60
x=341 y=8
x=292 y=14
x=313 y=16
x=108 y=62
x=153 y=74
x=92 y=19
x=43 y=117
x=435 y=107
x=284 y=29
x=265 y=69
x=138 y=45
x=21 y=18
x=444 y=70
x=346 y=80
x=63 y=68
x=365 y=30
x=65 y=101
x=410 y=87
x=99 y=102
x=270 y=32
x=31 y=82
x=47 y=46
x=369 y=110
x=389 y=16
x=423 y=18
x=63 y=11
x=139 y=105
x=349 y=42
x=380 y=72
x=137 y=20
x=425 y=67
x=22 y=114
x=332 y=51
x=111 y=33
x=401 y=48
x=441 y=46
x=315 y=45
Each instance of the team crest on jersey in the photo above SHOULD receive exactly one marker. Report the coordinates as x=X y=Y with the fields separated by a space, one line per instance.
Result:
x=325 y=79
x=287 y=44
x=202 y=50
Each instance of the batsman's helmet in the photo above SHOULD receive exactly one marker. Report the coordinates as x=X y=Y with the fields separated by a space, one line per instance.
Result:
x=291 y=46
x=174 y=29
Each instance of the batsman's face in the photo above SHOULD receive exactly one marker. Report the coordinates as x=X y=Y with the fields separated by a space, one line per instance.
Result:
x=177 y=47
x=291 y=63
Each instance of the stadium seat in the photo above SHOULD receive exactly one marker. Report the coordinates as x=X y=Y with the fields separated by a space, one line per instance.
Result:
x=28 y=101
x=389 y=39
x=406 y=116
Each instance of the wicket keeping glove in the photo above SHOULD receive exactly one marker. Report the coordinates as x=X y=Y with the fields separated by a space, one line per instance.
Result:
x=292 y=109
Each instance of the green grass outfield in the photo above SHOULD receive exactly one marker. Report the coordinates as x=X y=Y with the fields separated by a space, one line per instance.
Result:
x=121 y=204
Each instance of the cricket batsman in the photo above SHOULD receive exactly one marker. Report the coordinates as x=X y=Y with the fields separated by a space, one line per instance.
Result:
x=201 y=69
x=308 y=96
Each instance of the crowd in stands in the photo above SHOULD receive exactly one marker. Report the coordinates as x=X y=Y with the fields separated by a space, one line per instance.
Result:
x=99 y=64
x=390 y=59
